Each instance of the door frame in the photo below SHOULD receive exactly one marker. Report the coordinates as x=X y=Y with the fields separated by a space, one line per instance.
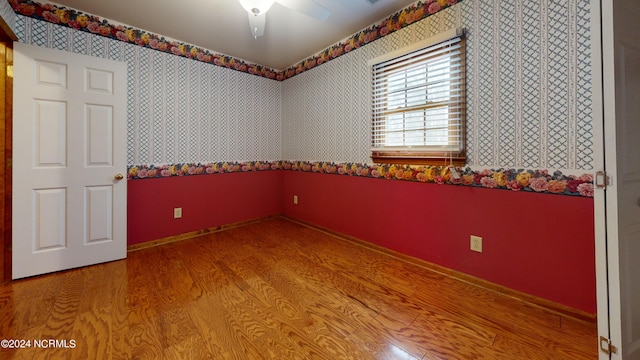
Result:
x=7 y=37
x=610 y=312
x=5 y=163
x=600 y=228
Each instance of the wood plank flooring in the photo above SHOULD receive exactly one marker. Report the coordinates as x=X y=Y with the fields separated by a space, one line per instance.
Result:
x=276 y=289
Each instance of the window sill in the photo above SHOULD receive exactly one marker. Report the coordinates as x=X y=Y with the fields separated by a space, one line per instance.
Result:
x=431 y=158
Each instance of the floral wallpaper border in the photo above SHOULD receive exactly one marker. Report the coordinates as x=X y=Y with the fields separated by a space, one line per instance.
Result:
x=409 y=15
x=539 y=181
x=78 y=20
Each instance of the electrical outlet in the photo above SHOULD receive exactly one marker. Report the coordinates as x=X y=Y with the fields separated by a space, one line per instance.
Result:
x=295 y=199
x=177 y=213
x=476 y=243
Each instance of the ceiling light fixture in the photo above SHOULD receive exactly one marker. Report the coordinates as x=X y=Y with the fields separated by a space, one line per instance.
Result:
x=257 y=10
x=257 y=7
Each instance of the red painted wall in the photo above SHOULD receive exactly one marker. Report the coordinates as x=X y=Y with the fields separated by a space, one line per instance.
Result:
x=206 y=200
x=538 y=244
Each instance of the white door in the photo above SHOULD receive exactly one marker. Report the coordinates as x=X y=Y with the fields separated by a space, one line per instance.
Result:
x=621 y=100
x=69 y=145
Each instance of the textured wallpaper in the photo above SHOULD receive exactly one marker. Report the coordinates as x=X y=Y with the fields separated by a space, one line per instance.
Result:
x=528 y=91
x=180 y=110
x=8 y=15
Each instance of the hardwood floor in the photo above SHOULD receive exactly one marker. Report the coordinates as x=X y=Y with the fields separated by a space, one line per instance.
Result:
x=276 y=290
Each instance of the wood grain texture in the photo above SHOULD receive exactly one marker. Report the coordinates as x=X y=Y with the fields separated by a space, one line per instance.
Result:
x=6 y=92
x=192 y=234
x=475 y=281
x=277 y=289
x=7 y=163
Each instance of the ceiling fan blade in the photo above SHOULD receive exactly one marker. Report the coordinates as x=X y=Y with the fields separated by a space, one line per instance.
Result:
x=256 y=24
x=307 y=7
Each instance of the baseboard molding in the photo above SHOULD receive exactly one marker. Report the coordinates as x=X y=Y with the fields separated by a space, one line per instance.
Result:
x=193 y=234
x=530 y=299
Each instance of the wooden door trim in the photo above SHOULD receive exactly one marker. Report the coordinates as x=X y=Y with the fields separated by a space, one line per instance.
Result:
x=7 y=37
x=6 y=92
x=5 y=162
x=6 y=33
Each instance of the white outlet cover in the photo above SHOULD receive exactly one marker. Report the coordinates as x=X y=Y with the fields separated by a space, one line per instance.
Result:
x=476 y=243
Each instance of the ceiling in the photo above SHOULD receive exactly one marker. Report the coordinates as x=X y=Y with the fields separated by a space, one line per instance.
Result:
x=222 y=26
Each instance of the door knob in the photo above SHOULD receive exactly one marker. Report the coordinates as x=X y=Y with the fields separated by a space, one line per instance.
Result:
x=119 y=176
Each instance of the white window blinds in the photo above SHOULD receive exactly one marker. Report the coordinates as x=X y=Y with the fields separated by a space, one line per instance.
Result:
x=418 y=100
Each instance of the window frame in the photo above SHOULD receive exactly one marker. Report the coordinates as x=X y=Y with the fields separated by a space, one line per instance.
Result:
x=424 y=154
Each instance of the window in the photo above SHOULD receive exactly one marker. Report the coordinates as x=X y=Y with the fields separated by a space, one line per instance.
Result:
x=418 y=103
